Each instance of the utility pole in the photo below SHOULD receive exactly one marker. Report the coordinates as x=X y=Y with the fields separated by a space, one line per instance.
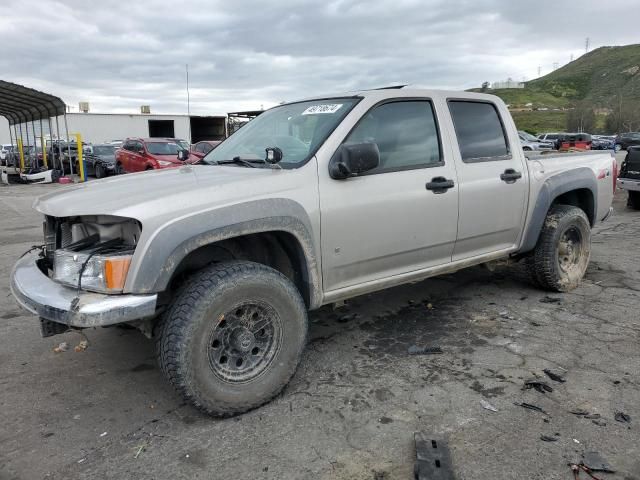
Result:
x=586 y=45
x=538 y=70
x=571 y=58
x=555 y=65
x=188 y=102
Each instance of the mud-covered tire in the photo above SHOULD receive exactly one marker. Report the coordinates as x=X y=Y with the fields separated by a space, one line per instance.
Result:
x=215 y=314
x=561 y=256
x=633 y=201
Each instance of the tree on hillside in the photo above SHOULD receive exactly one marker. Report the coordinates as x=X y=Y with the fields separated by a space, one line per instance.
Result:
x=624 y=117
x=485 y=86
x=582 y=118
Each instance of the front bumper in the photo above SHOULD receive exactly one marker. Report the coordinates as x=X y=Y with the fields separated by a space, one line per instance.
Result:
x=37 y=293
x=629 y=184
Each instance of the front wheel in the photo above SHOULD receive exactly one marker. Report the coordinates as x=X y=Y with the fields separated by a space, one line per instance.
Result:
x=100 y=171
x=561 y=256
x=233 y=337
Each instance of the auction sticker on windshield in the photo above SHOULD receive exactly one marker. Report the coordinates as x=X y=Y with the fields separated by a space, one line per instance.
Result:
x=328 y=108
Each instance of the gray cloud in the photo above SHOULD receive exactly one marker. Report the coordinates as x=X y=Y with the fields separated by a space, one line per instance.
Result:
x=242 y=55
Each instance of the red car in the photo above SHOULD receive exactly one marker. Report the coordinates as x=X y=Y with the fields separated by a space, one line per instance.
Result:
x=140 y=154
x=200 y=149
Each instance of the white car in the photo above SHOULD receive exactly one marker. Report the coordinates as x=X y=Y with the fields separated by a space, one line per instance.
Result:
x=530 y=143
x=5 y=150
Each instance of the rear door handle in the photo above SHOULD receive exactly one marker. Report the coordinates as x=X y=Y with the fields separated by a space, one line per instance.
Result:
x=510 y=175
x=439 y=185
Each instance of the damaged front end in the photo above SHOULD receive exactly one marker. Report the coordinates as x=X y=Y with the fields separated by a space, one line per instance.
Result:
x=78 y=278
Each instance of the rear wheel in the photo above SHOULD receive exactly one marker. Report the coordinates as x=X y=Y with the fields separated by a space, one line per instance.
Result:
x=233 y=337
x=634 y=200
x=561 y=256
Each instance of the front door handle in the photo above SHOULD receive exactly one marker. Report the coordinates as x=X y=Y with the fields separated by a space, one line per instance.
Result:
x=439 y=185
x=510 y=175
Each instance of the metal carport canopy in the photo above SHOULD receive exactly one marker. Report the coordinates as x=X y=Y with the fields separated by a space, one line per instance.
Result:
x=20 y=104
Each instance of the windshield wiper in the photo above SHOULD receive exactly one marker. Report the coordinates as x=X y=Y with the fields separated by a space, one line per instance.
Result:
x=240 y=161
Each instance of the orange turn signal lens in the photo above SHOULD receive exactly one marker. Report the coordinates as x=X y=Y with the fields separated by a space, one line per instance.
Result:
x=115 y=272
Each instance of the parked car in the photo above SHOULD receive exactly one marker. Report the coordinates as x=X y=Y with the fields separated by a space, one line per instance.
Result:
x=200 y=149
x=626 y=140
x=100 y=160
x=139 y=154
x=629 y=179
x=601 y=142
x=549 y=137
x=530 y=143
x=404 y=184
x=5 y=150
x=573 y=141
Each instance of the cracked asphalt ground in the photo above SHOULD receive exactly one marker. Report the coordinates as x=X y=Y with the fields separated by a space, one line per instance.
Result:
x=352 y=408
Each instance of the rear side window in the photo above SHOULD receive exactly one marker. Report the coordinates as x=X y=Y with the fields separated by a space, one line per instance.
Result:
x=479 y=131
x=406 y=134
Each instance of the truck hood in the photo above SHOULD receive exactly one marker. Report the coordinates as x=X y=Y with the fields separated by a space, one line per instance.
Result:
x=172 y=191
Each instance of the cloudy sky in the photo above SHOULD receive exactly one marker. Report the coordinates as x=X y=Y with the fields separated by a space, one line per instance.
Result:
x=245 y=54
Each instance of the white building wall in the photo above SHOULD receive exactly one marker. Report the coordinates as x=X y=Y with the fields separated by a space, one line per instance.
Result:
x=100 y=127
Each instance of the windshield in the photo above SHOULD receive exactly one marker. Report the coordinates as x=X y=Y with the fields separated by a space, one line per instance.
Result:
x=106 y=150
x=528 y=137
x=163 y=148
x=298 y=129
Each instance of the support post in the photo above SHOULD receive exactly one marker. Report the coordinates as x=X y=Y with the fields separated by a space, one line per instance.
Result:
x=80 y=157
x=21 y=152
x=66 y=129
x=59 y=147
x=44 y=147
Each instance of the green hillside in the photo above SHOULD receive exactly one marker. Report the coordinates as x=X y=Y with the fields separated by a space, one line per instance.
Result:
x=600 y=76
x=607 y=77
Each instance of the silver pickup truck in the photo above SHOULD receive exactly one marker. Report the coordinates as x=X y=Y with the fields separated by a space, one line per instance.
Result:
x=311 y=203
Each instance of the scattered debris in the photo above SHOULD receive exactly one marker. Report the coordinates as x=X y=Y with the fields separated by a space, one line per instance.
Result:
x=82 y=346
x=622 y=417
x=531 y=407
x=594 y=461
x=548 y=299
x=82 y=460
x=600 y=423
x=415 y=350
x=504 y=314
x=547 y=438
x=580 y=412
x=576 y=468
x=62 y=347
x=575 y=440
x=487 y=406
x=139 y=450
x=538 y=385
x=432 y=458
x=554 y=376
x=429 y=306
x=592 y=416
x=347 y=318
x=103 y=434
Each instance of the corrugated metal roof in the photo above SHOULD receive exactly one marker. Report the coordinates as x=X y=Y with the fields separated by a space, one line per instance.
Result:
x=20 y=104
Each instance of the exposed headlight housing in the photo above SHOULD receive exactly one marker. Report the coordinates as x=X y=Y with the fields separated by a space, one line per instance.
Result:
x=103 y=273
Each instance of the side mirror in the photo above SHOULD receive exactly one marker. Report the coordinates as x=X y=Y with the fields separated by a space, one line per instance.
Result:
x=183 y=155
x=353 y=160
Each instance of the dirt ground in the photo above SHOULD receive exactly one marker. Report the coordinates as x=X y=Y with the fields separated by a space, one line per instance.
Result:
x=358 y=397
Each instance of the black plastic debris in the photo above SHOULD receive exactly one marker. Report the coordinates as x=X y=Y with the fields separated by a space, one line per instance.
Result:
x=538 y=385
x=547 y=438
x=416 y=350
x=433 y=460
x=580 y=412
x=554 y=376
x=548 y=299
x=594 y=461
x=622 y=417
x=530 y=406
x=592 y=416
x=600 y=423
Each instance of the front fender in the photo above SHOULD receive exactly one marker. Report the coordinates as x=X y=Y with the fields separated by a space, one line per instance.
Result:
x=154 y=264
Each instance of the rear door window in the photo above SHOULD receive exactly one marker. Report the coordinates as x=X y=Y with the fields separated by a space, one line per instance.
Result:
x=479 y=130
